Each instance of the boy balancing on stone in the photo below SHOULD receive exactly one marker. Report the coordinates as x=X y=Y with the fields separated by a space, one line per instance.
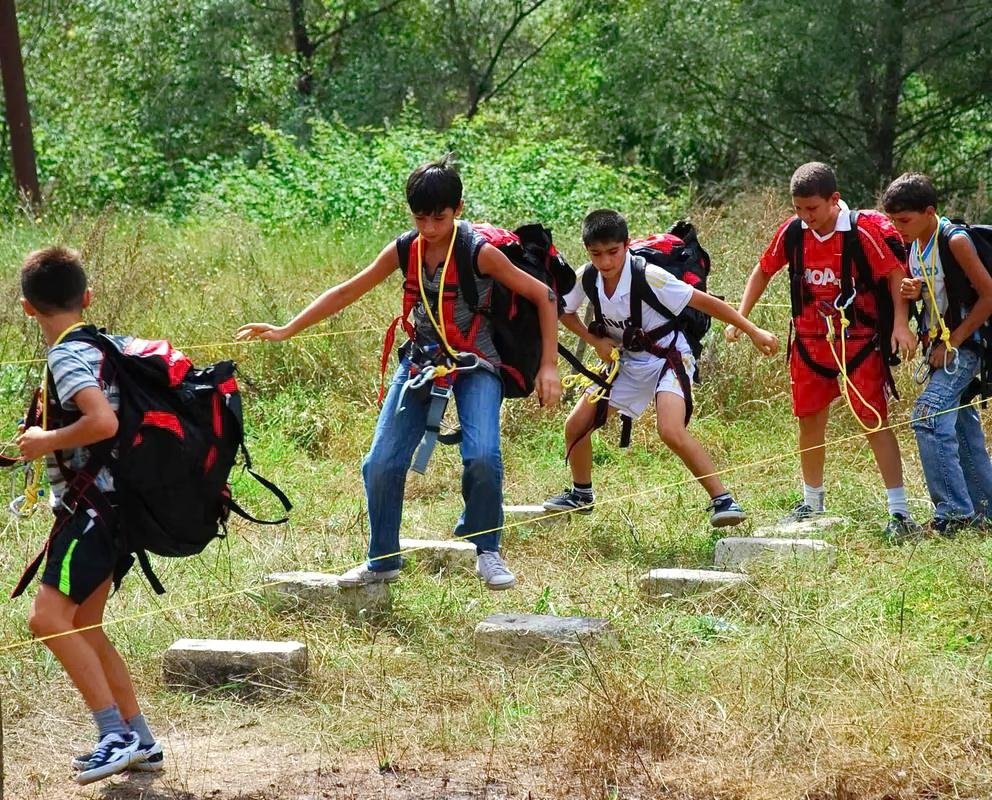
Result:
x=656 y=365
x=434 y=194
x=84 y=555
x=843 y=266
x=949 y=276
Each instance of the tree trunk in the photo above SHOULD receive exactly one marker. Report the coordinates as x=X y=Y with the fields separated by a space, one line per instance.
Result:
x=16 y=106
x=304 y=47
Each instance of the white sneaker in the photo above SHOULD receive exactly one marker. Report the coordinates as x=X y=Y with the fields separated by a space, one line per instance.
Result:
x=363 y=576
x=493 y=570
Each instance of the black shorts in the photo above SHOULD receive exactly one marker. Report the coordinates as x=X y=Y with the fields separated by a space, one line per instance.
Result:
x=85 y=550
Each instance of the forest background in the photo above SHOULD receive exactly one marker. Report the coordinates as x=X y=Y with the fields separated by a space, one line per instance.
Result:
x=224 y=160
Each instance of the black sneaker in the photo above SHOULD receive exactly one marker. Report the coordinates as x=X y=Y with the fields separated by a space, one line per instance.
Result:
x=571 y=500
x=901 y=529
x=800 y=513
x=726 y=512
x=947 y=528
x=112 y=755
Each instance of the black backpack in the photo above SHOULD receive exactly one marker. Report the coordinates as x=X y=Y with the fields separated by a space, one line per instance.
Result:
x=679 y=252
x=514 y=320
x=961 y=294
x=180 y=430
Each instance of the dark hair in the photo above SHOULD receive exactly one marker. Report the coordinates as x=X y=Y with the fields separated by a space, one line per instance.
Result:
x=814 y=179
x=911 y=191
x=53 y=280
x=604 y=226
x=431 y=188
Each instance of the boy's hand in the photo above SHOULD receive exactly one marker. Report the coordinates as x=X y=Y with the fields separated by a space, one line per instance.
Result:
x=732 y=334
x=904 y=341
x=911 y=288
x=261 y=330
x=33 y=443
x=765 y=341
x=548 y=386
x=604 y=349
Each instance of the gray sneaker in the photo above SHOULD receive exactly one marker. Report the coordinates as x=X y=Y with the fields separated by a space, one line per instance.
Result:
x=571 y=500
x=801 y=513
x=493 y=570
x=363 y=576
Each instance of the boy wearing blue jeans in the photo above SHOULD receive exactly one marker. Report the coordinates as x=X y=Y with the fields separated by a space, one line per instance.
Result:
x=432 y=251
x=956 y=289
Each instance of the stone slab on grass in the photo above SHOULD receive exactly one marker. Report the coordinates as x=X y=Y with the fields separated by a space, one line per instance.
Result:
x=536 y=514
x=247 y=667
x=737 y=551
x=295 y=591
x=441 y=555
x=669 y=583
x=513 y=636
x=797 y=530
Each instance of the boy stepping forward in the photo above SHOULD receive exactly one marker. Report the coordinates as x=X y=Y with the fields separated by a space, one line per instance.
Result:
x=842 y=265
x=654 y=370
x=84 y=552
x=956 y=289
x=434 y=194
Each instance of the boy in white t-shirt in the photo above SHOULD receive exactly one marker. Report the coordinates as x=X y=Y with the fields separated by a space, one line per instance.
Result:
x=655 y=368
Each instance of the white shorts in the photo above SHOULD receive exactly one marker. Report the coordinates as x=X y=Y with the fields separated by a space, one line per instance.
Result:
x=639 y=382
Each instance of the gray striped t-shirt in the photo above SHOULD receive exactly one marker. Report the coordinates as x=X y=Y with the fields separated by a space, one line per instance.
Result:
x=75 y=366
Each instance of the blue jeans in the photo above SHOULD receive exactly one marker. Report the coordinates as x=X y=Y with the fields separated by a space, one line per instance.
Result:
x=478 y=395
x=952 y=446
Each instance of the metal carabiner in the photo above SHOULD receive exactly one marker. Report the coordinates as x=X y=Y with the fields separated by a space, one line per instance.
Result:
x=843 y=306
x=923 y=370
x=953 y=353
x=416 y=383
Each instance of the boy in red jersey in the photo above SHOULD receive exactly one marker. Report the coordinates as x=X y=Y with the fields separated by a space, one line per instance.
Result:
x=845 y=268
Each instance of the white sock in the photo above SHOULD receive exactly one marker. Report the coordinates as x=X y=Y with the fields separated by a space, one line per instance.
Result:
x=814 y=496
x=897 y=501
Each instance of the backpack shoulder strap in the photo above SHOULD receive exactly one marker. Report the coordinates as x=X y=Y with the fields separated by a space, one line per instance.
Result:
x=641 y=291
x=403 y=244
x=793 y=241
x=466 y=254
x=853 y=253
x=592 y=292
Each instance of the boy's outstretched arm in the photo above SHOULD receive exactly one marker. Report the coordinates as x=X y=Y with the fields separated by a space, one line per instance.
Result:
x=498 y=267
x=97 y=422
x=757 y=282
x=903 y=339
x=330 y=302
x=766 y=342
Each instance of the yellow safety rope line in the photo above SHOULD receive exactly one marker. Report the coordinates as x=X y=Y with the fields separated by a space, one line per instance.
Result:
x=935 y=316
x=579 y=381
x=439 y=322
x=841 y=363
x=550 y=515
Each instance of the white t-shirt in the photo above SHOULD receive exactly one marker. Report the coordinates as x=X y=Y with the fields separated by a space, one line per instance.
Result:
x=672 y=293
x=928 y=259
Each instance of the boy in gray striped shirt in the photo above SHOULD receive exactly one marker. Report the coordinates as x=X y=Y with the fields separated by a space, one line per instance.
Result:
x=85 y=554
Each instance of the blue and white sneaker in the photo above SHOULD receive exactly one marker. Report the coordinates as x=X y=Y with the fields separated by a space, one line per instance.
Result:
x=113 y=754
x=726 y=512
x=152 y=759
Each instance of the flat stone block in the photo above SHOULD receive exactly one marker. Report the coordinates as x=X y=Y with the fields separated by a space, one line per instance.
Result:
x=243 y=666
x=738 y=550
x=521 y=635
x=668 y=583
x=797 y=530
x=538 y=514
x=319 y=590
x=441 y=555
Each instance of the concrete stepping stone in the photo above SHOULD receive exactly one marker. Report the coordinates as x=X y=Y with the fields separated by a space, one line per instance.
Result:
x=441 y=555
x=319 y=590
x=247 y=667
x=797 y=530
x=537 y=514
x=513 y=636
x=661 y=584
x=736 y=551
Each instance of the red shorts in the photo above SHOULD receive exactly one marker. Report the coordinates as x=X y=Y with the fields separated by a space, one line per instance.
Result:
x=812 y=392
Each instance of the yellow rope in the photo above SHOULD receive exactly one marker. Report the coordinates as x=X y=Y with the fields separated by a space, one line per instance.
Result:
x=841 y=363
x=439 y=322
x=935 y=318
x=402 y=551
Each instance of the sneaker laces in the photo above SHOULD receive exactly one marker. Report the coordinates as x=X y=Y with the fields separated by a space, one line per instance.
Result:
x=492 y=564
x=102 y=750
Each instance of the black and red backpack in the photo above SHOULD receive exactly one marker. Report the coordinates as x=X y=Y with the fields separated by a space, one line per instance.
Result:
x=180 y=430
x=514 y=319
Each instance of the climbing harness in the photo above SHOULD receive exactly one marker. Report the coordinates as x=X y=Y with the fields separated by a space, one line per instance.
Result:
x=841 y=361
x=607 y=372
x=937 y=327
